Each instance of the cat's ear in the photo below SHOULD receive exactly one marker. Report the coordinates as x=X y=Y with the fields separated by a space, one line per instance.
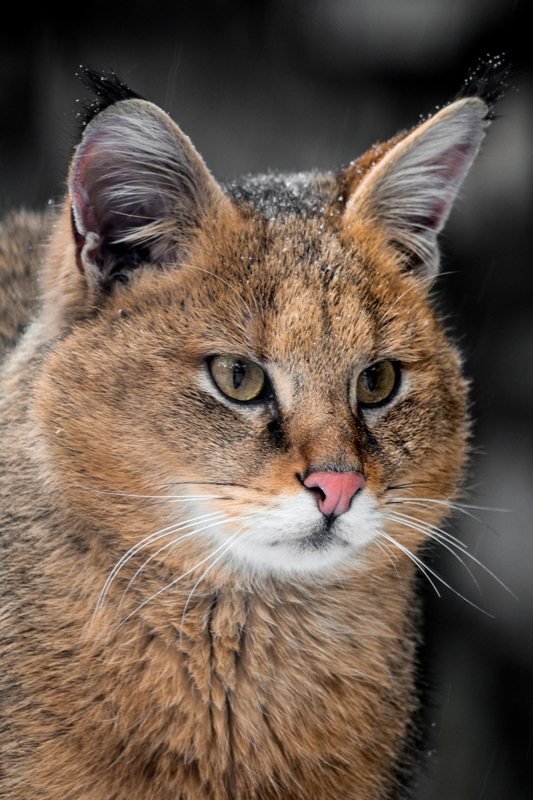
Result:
x=138 y=190
x=409 y=190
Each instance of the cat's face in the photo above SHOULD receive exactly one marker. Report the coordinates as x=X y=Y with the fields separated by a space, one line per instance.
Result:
x=317 y=300
x=132 y=406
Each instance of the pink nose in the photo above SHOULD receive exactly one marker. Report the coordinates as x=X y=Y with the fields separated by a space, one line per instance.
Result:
x=336 y=490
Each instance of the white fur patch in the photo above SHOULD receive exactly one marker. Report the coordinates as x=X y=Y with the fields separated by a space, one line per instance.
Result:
x=290 y=537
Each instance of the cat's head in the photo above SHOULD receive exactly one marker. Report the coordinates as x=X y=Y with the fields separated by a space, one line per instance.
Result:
x=260 y=361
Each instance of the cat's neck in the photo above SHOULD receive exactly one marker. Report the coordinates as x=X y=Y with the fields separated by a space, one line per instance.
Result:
x=303 y=666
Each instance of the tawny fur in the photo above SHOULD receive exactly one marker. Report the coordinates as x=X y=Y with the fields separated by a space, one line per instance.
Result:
x=241 y=686
x=21 y=250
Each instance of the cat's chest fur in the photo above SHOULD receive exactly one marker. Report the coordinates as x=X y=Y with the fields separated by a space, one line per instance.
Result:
x=259 y=697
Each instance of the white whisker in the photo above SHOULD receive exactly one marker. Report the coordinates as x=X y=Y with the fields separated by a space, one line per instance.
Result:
x=134 y=495
x=167 y=546
x=415 y=559
x=446 y=539
x=229 y=543
x=425 y=569
x=384 y=549
x=448 y=536
x=437 y=537
x=455 y=505
x=182 y=576
x=424 y=502
x=167 y=531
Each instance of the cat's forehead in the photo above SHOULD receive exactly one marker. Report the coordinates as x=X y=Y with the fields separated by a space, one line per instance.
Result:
x=294 y=291
x=308 y=288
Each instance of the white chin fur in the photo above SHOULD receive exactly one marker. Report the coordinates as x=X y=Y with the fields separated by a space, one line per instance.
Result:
x=279 y=541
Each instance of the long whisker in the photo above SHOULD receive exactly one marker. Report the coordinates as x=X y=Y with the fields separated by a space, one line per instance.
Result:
x=424 y=567
x=231 y=542
x=471 y=488
x=167 y=531
x=384 y=549
x=440 y=538
x=173 y=497
x=447 y=539
x=395 y=487
x=168 y=545
x=425 y=502
x=456 y=505
x=416 y=561
x=202 y=483
x=180 y=577
x=448 y=536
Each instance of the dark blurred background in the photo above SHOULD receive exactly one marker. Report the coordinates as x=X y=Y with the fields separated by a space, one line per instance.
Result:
x=295 y=84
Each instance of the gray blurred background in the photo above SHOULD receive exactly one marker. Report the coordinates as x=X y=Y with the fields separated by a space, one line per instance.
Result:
x=295 y=84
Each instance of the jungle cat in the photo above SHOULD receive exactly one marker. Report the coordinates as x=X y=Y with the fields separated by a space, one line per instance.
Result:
x=231 y=417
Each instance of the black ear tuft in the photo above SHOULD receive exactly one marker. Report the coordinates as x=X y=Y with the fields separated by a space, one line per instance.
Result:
x=489 y=80
x=106 y=88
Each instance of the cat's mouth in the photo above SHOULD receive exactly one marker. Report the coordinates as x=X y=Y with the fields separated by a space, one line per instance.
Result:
x=293 y=537
x=321 y=536
x=320 y=541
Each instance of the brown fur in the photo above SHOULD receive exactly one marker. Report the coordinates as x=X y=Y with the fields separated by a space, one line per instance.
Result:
x=237 y=687
x=21 y=250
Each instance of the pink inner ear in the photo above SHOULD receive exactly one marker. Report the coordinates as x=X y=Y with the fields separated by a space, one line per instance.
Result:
x=451 y=167
x=82 y=211
x=85 y=216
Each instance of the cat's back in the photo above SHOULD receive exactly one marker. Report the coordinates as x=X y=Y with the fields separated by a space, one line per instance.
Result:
x=22 y=238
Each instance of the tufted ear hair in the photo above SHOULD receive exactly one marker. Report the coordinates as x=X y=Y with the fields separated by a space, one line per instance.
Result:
x=410 y=189
x=138 y=190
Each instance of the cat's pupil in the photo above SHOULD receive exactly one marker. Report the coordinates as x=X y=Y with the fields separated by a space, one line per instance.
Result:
x=371 y=376
x=239 y=371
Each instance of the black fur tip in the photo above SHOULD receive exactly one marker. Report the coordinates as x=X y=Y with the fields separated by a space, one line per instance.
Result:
x=106 y=89
x=489 y=80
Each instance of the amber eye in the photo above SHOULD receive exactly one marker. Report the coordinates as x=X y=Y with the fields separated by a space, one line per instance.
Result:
x=237 y=377
x=377 y=383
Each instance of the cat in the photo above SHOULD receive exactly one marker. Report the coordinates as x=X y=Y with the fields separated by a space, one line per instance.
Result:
x=231 y=418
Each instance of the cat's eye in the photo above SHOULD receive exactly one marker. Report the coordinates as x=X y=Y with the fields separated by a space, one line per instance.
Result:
x=378 y=383
x=237 y=377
